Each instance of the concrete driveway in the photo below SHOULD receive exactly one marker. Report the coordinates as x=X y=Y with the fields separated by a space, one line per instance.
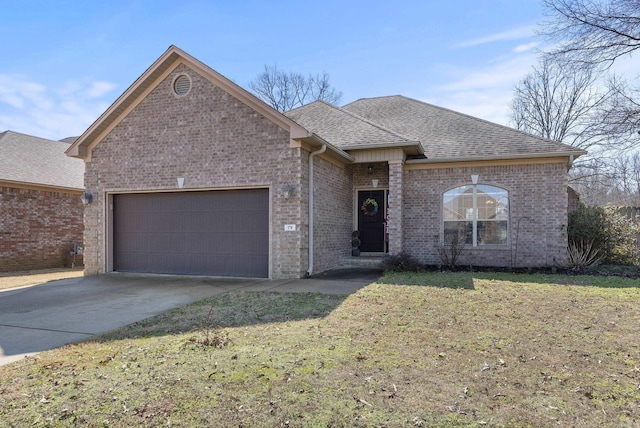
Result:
x=50 y=315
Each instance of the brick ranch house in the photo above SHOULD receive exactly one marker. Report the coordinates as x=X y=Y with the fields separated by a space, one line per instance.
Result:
x=40 y=206
x=191 y=174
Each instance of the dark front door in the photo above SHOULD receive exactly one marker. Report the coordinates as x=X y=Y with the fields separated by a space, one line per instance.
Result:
x=371 y=211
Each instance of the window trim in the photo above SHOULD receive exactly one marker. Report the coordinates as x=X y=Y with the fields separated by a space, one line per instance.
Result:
x=475 y=220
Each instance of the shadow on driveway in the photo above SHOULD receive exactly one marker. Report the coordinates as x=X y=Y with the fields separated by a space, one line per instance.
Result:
x=50 y=315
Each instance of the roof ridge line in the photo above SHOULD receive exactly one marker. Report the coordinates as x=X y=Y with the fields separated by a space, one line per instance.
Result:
x=9 y=131
x=372 y=98
x=365 y=120
x=478 y=119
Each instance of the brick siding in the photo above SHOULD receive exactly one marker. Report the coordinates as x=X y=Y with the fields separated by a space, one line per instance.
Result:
x=537 y=220
x=212 y=140
x=573 y=199
x=362 y=178
x=38 y=228
x=333 y=213
x=396 y=207
x=215 y=141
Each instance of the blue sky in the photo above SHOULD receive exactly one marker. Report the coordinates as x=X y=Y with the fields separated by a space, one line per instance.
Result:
x=62 y=63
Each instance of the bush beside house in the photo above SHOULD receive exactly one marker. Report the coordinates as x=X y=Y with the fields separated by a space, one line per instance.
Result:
x=607 y=231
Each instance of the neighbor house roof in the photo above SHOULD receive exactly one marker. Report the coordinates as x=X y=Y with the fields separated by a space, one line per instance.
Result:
x=347 y=130
x=25 y=159
x=449 y=135
x=69 y=140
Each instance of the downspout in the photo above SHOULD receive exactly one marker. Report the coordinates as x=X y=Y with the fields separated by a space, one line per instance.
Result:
x=311 y=155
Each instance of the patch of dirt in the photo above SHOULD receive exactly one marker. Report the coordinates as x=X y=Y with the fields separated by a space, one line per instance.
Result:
x=32 y=277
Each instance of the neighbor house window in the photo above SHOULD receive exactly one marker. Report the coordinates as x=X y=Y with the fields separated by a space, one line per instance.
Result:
x=476 y=215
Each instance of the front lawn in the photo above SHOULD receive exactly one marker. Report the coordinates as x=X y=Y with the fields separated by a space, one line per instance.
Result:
x=429 y=349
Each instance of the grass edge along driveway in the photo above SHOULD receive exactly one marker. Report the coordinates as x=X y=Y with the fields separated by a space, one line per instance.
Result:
x=9 y=280
x=430 y=349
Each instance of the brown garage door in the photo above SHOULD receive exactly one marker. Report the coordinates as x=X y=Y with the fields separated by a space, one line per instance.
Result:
x=222 y=233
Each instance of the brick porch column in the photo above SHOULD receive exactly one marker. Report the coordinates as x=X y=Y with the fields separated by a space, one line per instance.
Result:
x=396 y=168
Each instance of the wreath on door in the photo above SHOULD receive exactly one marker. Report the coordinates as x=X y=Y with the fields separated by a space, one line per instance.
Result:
x=369 y=207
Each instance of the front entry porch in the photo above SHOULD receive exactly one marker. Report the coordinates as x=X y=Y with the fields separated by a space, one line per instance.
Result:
x=377 y=206
x=369 y=261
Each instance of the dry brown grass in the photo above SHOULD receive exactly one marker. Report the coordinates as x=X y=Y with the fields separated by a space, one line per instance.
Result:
x=456 y=349
x=33 y=277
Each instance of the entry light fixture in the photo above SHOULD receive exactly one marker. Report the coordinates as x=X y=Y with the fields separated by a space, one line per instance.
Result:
x=86 y=198
x=287 y=192
x=370 y=168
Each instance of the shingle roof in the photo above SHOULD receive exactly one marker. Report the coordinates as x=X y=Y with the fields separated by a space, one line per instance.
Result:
x=344 y=129
x=38 y=161
x=69 y=140
x=446 y=134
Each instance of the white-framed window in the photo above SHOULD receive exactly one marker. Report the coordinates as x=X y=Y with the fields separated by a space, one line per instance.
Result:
x=477 y=214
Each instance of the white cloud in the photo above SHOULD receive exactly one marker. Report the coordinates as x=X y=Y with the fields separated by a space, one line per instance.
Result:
x=98 y=89
x=17 y=92
x=55 y=111
x=484 y=92
x=627 y=66
x=526 y=47
x=513 y=34
x=13 y=100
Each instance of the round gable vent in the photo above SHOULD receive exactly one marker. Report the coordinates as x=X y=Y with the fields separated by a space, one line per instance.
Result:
x=182 y=85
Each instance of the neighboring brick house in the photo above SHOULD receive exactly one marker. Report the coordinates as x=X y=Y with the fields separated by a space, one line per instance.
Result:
x=191 y=174
x=40 y=205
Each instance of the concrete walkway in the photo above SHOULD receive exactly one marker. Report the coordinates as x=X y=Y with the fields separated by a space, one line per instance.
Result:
x=46 y=316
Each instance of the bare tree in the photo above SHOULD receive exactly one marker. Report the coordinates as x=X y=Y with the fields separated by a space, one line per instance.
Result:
x=594 y=34
x=596 y=184
x=635 y=175
x=559 y=103
x=570 y=96
x=616 y=182
x=593 y=31
x=284 y=91
x=620 y=114
x=627 y=179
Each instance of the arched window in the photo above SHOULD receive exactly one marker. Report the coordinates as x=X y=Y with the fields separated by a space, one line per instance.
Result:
x=476 y=215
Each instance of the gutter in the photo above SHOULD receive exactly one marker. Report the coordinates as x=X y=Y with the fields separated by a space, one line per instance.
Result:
x=311 y=156
x=401 y=145
x=41 y=186
x=319 y=141
x=572 y=154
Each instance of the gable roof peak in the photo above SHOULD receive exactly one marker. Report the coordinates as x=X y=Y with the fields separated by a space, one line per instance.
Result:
x=150 y=79
x=359 y=118
x=348 y=130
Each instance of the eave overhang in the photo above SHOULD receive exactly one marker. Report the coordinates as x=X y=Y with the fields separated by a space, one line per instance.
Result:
x=314 y=142
x=159 y=70
x=40 y=186
x=569 y=156
x=409 y=147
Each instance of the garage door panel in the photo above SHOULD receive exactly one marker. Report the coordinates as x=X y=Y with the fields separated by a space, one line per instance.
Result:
x=202 y=233
x=248 y=221
x=246 y=244
x=220 y=222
